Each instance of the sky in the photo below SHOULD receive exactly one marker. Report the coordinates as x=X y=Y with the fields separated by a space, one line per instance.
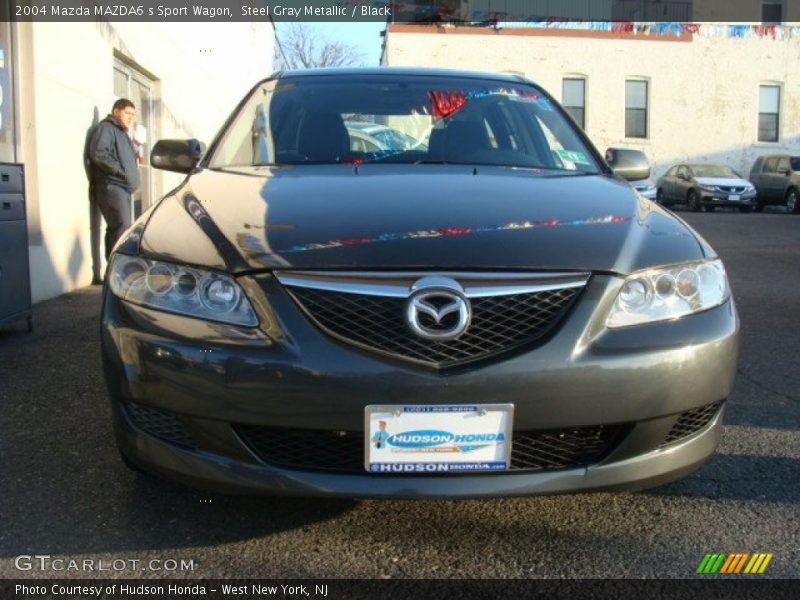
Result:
x=364 y=35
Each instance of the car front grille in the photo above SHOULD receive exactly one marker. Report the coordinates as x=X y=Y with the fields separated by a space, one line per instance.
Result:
x=729 y=189
x=343 y=452
x=691 y=421
x=500 y=323
x=159 y=423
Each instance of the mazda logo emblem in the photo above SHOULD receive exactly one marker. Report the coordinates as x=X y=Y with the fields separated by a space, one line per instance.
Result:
x=438 y=309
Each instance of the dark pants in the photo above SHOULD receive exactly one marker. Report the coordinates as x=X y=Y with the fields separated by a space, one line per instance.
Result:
x=95 y=223
x=114 y=203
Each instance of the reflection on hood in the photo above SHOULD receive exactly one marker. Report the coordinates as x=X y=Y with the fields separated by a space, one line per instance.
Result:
x=446 y=231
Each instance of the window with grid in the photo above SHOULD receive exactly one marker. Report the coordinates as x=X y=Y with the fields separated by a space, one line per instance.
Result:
x=769 y=97
x=573 y=98
x=635 y=108
x=772 y=12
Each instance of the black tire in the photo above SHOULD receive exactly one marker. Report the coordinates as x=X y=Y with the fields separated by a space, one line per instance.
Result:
x=793 y=201
x=759 y=207
x=710 y=208
x=660 y=197
x=745 y=209
x=693 y=200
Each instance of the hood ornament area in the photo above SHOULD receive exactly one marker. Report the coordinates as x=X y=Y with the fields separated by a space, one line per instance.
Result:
x=438 y=309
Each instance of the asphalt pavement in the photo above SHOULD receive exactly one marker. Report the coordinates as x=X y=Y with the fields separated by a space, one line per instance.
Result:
x=65 y=493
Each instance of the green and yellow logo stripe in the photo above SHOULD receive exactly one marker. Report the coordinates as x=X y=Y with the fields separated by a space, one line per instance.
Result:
x=734 y=563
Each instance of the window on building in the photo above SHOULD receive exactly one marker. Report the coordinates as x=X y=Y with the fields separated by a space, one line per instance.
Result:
x=635 y=109
x=573 y=98
x=768 y=113
x=772 y=12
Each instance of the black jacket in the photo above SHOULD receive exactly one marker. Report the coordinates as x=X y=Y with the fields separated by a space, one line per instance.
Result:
x=112 y=156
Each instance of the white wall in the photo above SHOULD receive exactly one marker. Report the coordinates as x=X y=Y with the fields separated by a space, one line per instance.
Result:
x=703 y=93
x=65 y=74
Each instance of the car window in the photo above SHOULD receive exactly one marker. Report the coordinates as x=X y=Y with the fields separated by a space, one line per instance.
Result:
x=405 y=119
x=795 y=163
x=770 y=166
x=783 y=164
x=358 y=143
x=672 y=172
x=683 y=171
x=713 y=171
x=394 y=139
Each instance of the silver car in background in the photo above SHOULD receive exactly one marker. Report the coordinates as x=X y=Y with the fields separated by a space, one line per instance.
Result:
x=706 y=187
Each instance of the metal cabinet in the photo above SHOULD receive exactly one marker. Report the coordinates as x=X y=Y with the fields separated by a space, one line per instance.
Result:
x=15 y=280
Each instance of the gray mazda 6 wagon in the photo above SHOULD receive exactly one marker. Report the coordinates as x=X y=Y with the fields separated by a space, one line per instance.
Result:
x=489 y=310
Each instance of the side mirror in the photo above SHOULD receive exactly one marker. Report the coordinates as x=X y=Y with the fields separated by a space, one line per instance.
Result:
x=180 y=156
x=628 y=164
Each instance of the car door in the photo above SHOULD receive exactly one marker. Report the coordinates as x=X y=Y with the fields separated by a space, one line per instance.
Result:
x=769 y=179
x=683 y=183
x=668 y=184
x=782 y=173
x=756 y=172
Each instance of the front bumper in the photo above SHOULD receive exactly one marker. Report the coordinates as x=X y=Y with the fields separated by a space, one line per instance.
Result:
x=723 y=199
x=211 y=378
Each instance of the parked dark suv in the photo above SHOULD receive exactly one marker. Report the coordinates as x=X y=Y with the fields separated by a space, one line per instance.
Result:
x=777 y=181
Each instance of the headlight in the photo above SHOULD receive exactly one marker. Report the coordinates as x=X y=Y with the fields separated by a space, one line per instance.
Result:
x=708 y=188
x=183 y=290
x=662 y=294
x=646 y=188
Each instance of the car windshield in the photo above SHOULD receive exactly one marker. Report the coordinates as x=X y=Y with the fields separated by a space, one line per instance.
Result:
x=402 y=119
x=713 y=171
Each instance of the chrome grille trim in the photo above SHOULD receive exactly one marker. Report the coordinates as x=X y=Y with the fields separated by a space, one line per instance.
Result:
x=368 y=310
x=399 y=284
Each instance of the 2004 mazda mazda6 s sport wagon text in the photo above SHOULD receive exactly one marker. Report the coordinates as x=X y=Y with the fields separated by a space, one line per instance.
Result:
x=490 y=310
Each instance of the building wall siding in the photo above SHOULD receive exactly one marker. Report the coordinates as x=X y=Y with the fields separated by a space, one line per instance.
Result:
x=201 y=72
x=703 y=91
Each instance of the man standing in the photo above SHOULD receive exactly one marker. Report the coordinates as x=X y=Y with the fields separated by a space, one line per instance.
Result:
x=114 y=173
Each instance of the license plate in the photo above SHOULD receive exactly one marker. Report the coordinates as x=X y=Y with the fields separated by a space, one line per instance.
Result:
x=430 y=439
x=734 y=197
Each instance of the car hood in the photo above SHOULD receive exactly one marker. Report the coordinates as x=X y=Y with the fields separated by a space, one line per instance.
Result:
x=726 y=181
x=414 y=217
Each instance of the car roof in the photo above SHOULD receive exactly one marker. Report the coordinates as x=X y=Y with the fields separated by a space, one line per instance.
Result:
x=400 y=71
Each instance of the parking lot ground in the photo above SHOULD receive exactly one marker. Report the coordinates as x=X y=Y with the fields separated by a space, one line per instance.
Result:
x=66 y=494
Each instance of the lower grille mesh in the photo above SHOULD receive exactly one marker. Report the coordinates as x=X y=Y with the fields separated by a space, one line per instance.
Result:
x=499 y=323
x=343 y=452
x=692 y=421
x=159 y=423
